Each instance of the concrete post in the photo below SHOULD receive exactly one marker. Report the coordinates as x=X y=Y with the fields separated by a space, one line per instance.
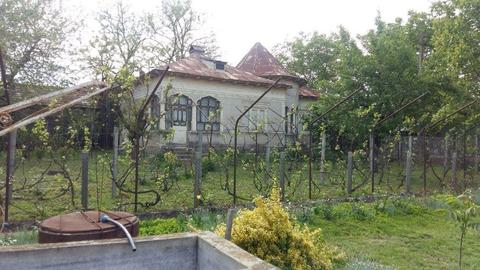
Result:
x=454 y=170
x=476 y=154
x=12 y=142
x=229 y=224
x=349 y=172
x=85 y=180
x=371 y=157
x=282 y=174
x=408 y=166
x=445 y=156
x=12 y=146
x=115 y=161
x=322 y=158
x=197 y=162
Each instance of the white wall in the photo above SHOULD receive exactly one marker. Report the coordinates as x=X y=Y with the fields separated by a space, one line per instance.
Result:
x=234 y=98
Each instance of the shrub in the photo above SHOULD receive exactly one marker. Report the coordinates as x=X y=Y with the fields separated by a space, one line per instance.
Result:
x=362 y=213
x=325 y=211
x=162 y=226
x=268 y=232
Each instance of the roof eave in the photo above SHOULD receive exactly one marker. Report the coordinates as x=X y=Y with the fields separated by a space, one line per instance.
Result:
x=210 y=78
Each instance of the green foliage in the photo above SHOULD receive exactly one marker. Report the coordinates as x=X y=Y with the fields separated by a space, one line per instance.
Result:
x=269 y=233
x=205 y=220
x=22 y=237
x=465 y=218
x=162 y=226
x=35 y=36
x=208 y=164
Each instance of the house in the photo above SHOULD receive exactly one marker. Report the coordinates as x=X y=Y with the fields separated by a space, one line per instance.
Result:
x=204 y=95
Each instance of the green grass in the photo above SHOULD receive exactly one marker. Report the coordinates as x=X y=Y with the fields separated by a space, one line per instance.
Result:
x=424 y=239
x=48 y=198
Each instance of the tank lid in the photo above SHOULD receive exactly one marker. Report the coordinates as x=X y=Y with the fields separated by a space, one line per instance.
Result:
x=83 y=222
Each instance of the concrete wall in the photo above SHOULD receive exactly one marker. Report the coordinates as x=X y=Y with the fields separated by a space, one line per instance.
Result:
x=178 y=251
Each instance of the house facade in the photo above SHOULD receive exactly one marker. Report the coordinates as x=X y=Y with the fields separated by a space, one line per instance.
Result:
x=204 y=95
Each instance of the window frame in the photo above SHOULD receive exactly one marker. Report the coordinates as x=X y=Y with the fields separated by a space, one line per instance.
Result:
x=179 y=111
x=206 y=107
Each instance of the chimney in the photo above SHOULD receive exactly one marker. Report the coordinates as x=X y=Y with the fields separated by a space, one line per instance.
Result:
x=196 y=50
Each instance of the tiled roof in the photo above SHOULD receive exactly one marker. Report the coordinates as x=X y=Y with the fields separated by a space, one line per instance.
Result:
x=197 y=67
x=307 y=92
x=261 y=62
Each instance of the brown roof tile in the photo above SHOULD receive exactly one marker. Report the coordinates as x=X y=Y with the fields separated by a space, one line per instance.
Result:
x=307 y=92
x=197 y=67
x=261 y=62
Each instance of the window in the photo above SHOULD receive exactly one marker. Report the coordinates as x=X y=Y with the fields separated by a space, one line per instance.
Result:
x=220 y=65
x=255 y=119
x=208 y=114
x=179 y=111
x=155 y=111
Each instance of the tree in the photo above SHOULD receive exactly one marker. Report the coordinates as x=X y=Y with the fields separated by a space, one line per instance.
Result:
x=310 y=56
x=34 y=36
x=178 y=27
x=455 y=38
x=126 y=45
x=465 y=218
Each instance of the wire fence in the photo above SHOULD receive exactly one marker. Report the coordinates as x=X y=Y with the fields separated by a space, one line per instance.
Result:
x=69 y=170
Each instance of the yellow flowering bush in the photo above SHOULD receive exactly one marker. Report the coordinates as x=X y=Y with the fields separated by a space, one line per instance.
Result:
x=269 y=233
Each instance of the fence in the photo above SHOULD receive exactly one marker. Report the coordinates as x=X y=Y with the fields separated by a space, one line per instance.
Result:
x=56 y=171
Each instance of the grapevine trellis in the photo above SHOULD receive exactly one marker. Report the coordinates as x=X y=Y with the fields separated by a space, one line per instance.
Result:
x=63 y=161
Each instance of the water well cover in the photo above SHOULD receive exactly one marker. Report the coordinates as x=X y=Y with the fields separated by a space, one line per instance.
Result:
x=80 y=226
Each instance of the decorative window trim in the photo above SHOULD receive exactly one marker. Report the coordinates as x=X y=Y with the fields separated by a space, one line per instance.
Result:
x=179 y=111
x=208 y=114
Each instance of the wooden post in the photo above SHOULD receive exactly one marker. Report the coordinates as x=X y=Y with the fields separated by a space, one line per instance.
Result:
x=197 y=161
x=12 y=142
x=115 y=161
x=408 y=166
x=349 y=172
x=282 y=174
x=229 y=226
x=85 y=180
x=454 y=170
x=322 y=158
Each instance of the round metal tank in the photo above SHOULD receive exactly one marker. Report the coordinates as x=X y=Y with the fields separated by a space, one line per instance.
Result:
x=79 y=226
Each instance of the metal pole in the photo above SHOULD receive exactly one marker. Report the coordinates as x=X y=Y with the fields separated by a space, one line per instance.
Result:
x=310 y=127
x=372 y=138
x=235 y=140
x=424 y=132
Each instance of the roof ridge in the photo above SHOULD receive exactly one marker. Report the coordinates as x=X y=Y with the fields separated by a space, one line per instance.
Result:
x=261 y=62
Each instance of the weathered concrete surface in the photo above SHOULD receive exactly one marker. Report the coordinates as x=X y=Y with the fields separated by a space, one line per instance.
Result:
x=177 y=251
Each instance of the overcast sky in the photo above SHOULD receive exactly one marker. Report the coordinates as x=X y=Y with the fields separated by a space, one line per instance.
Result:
x=239 y=24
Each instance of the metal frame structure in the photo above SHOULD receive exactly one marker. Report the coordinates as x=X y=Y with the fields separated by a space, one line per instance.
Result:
x=235 y=142
x=310 y=127
x=372 y=136
x=424 y=131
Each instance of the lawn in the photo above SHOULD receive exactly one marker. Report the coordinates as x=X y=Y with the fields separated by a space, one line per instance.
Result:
x=391 y=233
x=424 y=238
